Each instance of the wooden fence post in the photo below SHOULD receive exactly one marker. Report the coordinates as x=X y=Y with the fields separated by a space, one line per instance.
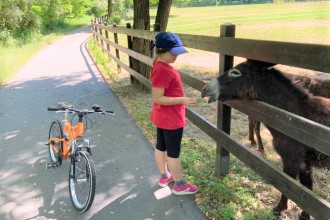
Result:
x=117 y=51
x=107 y=36
x=224 y=111
x=100 y=30
x=92 y=27
x=130 y=46
x=96 y=31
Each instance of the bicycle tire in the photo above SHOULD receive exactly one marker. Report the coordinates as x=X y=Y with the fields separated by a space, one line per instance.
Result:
x=56 y=131
x=82 y=181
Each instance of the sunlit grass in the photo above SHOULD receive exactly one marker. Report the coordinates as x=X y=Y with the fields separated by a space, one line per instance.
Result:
x=306 y=22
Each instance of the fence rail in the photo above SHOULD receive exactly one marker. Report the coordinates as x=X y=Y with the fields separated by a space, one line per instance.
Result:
x=309 y=56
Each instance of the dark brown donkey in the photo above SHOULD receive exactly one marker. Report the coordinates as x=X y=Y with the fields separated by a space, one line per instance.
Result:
x=313 y=86
x=254 y=80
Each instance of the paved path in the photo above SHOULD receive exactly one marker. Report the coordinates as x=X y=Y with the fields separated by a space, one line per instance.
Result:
x=126 y=175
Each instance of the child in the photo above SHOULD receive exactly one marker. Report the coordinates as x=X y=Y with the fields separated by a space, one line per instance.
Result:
x=168 y=112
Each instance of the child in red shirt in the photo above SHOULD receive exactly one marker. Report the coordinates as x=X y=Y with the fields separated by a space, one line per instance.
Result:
x=168 y=112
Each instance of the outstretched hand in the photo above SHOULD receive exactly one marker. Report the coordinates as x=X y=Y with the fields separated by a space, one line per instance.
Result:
x=189 y=101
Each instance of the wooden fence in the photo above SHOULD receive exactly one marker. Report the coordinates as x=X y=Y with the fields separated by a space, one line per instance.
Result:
x=309 y=56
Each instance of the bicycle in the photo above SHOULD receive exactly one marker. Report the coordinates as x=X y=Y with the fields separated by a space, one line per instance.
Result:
x=66 y=141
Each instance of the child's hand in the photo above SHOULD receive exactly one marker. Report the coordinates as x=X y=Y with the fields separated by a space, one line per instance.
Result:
x=189 y=101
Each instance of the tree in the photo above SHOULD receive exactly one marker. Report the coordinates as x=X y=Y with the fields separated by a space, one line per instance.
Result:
x=163 y=13
x=142 y=22
x=109 y=8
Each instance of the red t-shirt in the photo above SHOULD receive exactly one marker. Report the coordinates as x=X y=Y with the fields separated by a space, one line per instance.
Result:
x=168 y=117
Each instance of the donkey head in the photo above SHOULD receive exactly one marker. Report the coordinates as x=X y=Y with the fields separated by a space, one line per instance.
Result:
x=238 y=82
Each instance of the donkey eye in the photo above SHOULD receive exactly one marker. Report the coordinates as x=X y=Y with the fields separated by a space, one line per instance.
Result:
x=234 y=73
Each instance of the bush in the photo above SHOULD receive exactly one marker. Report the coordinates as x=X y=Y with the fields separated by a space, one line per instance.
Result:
x=114 y=20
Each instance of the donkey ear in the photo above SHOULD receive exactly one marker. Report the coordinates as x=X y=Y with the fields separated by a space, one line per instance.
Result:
x=261 y=64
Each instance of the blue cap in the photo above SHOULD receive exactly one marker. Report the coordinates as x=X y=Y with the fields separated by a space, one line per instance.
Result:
x=170 y=42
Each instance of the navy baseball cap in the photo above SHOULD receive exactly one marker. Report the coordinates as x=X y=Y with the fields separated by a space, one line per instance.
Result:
x=170 y=42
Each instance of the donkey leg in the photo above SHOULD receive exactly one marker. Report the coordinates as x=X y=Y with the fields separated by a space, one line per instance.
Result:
x=306 y=178
x=251 y=130
x=292 y=170
x=257 y=132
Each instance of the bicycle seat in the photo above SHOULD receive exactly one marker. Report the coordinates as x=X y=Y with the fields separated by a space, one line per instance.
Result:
x=64 y=105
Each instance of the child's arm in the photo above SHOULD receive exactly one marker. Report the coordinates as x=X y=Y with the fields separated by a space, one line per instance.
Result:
x=159 y=98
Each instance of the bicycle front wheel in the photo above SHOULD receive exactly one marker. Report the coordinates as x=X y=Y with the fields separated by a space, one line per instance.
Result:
x=56 y=131
x=82 y=181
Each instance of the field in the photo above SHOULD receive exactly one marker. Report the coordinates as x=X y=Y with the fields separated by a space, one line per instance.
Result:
x=241 y=194
x=293 y=22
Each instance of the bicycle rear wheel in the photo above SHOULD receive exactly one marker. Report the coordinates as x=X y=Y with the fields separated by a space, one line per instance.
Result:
x=82 y=181
x=56 y=131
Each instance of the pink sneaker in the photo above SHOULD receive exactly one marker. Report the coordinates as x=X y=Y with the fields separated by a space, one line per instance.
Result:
x=165 y=181
x=186 y=189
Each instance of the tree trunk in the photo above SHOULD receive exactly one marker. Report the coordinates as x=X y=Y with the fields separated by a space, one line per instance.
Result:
x=163 y=13
x=141 y=21
x=109 y=8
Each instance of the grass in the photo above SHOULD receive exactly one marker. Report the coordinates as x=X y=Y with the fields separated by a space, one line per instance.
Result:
x=241 y=194
x=279 y=22
x=12 y=57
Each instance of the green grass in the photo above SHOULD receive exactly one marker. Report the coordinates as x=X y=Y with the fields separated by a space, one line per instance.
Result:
x=12 y=57
x=292 y=22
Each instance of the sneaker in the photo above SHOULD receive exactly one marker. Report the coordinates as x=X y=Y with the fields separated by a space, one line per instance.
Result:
x=186 y=189
x=165 y=181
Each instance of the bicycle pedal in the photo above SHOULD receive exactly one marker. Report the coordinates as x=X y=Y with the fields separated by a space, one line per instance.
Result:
x=46 y=143
x=51 y=165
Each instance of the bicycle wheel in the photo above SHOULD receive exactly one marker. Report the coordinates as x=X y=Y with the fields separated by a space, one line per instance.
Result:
x=82 y=181
x=56 y=131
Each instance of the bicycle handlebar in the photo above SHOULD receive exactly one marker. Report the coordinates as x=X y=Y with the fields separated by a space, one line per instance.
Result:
x=96 y=109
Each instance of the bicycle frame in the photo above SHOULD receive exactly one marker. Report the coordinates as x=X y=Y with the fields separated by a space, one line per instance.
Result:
x=70 y=134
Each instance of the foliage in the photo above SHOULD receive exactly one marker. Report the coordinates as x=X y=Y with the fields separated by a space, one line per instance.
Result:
x=21 y=19
x=16 y=20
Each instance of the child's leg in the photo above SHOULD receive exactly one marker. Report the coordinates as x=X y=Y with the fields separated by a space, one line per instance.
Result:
x=160 y=158
x=175 y=167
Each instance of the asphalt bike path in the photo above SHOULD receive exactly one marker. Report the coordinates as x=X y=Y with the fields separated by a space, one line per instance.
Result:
x=126 y=176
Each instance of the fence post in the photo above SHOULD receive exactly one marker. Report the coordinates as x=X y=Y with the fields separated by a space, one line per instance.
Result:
x=117 y=51
x=100 y=29
x=96 y=31
x=107 y=36
x=224 y=111
x=130 y=46
x=92 y=27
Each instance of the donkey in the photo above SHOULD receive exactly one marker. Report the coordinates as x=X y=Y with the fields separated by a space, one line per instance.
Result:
x=256 y=80
x=313 y=86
